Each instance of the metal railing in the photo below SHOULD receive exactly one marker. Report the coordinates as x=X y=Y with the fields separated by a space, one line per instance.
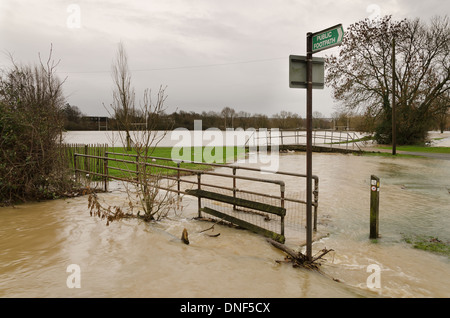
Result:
x=138 y=162
x=234 y=177
x=327 y=138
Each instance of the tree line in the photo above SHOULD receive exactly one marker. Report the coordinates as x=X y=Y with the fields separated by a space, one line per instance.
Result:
x=227 y=118
x=74 y=119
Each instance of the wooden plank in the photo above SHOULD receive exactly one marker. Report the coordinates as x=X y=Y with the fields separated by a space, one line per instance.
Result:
x=238 y=201
x=256 y=229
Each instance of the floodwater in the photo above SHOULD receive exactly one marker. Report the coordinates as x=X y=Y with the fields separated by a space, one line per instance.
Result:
x=130 y=258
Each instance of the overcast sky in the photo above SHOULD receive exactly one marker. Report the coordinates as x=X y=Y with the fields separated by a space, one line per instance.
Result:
x=210 y=54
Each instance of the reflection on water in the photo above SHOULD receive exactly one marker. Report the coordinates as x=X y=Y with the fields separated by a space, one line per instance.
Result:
x=134 y=259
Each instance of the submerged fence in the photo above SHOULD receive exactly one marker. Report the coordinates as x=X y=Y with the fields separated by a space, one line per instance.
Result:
x=229 y=192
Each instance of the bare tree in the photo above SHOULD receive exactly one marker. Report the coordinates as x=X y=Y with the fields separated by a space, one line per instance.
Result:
x=123 y=92
x=148 y=193
x=147 y=189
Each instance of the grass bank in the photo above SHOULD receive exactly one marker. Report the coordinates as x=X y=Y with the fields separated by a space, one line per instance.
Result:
x=413 y=151
x=429 y=243
x=385 y=154
x=418 y=148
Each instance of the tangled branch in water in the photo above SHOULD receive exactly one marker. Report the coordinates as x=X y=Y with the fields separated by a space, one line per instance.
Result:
x=109 y=213
x=299 y=259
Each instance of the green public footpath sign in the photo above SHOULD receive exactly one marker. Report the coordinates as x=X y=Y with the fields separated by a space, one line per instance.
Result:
x=327 y=38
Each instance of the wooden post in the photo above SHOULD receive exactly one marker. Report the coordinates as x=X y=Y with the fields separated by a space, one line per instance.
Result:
x=137 y=168
x=331 y=141
x=178 y=179
x=105 y=170
x=86 y=159
x=374 y=205
x=234 y=186
x=199 y=175
x=270 y=138
x=75 y=166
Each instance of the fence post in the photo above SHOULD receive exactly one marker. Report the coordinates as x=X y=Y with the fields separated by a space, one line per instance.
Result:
x=282 y=190
x=331 y=142
x=86 y=159
x=374 y=206
x=199 y=196
x=75 y=167
x=234 y=186
x=178 y=178
x=137 y=167
x=105 y=170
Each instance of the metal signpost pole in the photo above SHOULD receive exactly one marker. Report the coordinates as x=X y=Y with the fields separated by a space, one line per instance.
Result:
x=309 y=146
x=315 y=42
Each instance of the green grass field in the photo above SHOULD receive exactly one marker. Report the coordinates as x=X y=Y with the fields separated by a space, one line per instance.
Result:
x=169 y=155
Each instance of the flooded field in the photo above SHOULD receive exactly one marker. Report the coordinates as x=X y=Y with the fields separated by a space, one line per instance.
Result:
x=212 y=137
x=130 y=258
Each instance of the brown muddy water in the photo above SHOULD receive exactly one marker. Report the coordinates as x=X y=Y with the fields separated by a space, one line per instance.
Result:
x=130 y=258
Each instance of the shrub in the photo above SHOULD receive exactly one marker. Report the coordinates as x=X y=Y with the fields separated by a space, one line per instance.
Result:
x=32 y=165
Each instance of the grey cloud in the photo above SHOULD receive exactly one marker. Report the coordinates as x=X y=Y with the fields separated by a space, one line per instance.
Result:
x=193 y=47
